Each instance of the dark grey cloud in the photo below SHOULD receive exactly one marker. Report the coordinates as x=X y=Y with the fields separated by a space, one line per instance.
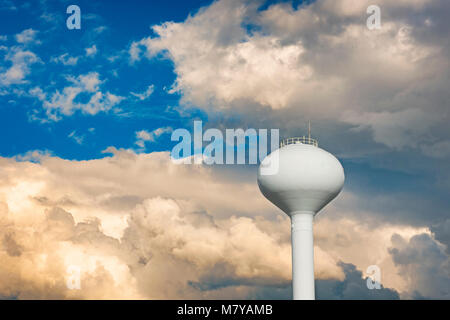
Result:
x=424 y=263
x=222 y=275
x=441 y=233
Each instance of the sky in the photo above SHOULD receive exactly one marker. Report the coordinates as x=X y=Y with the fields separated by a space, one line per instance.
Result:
x=86 y=116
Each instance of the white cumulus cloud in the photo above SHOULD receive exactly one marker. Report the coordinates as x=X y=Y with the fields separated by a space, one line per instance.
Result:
x=146 y=94
x=144 y=136
x=27 y=36
x=63 y=103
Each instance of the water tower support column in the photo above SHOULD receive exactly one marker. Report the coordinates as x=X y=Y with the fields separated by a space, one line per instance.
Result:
x=302 y=255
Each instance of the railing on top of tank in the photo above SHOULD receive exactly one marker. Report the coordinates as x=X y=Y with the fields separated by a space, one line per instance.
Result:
x=294 y=140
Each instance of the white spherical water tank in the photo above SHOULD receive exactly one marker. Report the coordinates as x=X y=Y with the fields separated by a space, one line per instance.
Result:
x=306 y=180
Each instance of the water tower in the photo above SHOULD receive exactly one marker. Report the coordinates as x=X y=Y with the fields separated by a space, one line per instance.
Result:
x=306 y=179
